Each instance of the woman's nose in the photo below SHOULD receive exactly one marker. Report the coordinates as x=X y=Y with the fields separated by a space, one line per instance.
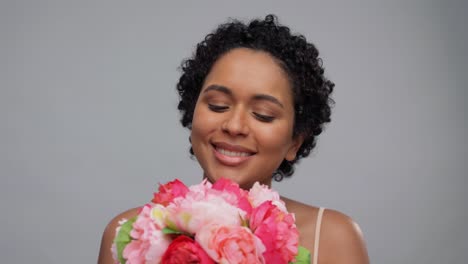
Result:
x=236 y=123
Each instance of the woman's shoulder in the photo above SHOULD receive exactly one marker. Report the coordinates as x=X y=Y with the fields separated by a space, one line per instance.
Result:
x=340 y=237
x=105 y=255
x=114 y=223
x=124 y=215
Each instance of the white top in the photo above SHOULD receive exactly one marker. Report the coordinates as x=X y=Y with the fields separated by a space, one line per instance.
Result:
x=317 y=235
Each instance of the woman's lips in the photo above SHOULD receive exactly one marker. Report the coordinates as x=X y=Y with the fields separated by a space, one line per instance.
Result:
x=231 y=155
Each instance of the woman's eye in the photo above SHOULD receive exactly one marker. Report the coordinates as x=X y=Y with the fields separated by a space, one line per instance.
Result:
x=264 y=118
x=217 y=108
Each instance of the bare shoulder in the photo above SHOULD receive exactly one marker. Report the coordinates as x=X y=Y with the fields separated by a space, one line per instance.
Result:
x=306 y=218
x=105 y=256
x=340 y=240
x=304 y=213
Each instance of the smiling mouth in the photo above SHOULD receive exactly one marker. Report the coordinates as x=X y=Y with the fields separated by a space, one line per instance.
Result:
x=231 y=155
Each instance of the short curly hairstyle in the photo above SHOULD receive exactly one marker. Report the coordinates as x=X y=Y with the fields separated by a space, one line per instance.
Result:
x=298 y=58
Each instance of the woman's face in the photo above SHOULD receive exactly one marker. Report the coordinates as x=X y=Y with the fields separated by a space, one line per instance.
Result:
x=242 y=127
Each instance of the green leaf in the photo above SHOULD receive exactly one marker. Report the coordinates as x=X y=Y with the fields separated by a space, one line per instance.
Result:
x=123 y=238
x=303 y=256
x=169 y=231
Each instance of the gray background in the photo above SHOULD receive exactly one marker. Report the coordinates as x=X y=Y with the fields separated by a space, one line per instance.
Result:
x=88 y=120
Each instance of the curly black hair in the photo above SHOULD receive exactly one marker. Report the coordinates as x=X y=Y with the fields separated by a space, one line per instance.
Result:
x=298 y=58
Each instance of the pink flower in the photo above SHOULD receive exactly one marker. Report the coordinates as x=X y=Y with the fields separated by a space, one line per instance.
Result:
x=135 y=252
x=114 y=252
x=184 y=250
x=203 y=206
x=169 y=191
x=220 y=223
x=231 y=244
x=149 y=242
x=277 y=231
x=260 y=193
x=226 y=186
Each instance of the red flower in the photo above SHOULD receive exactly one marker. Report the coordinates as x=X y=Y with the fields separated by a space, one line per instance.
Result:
x=277 y=231
x=169 y=191
x=184 y=250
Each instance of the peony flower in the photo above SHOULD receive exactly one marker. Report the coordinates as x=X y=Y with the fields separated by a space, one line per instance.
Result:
x=260 y=193
x=184 y=250
x=210 y=223
x=203 y=206
x=158 y=214
x=169 y=191
x=228 y=187
x=135 y=252
x=277 y=231
x=231 y=244
x=149 y=242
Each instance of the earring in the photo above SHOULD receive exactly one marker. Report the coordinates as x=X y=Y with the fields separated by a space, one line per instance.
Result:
x=277 y=176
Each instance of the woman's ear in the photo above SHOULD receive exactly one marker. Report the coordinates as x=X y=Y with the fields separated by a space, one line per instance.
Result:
x=295 y=145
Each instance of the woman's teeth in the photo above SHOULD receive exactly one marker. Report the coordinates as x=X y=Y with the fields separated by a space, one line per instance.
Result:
x=232 y=153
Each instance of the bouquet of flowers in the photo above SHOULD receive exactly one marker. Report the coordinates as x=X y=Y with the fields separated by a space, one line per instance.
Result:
x=210 y=223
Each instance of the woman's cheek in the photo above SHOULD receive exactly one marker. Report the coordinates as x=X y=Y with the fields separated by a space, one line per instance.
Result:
x=273 y=137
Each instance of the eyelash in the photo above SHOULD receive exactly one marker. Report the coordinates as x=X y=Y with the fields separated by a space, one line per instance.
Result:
x=260 y=117
x=264 y=118
x=217 y=108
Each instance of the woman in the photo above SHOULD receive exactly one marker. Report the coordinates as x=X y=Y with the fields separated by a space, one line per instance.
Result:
x=255 y=98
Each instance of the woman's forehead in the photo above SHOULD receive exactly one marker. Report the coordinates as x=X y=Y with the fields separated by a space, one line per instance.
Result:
x=253 y=69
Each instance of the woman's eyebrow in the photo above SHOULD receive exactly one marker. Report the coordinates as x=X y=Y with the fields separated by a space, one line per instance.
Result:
x=269 y=98
x=219 y=88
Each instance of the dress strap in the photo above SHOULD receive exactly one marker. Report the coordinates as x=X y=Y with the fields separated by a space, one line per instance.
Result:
x=317 y=234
